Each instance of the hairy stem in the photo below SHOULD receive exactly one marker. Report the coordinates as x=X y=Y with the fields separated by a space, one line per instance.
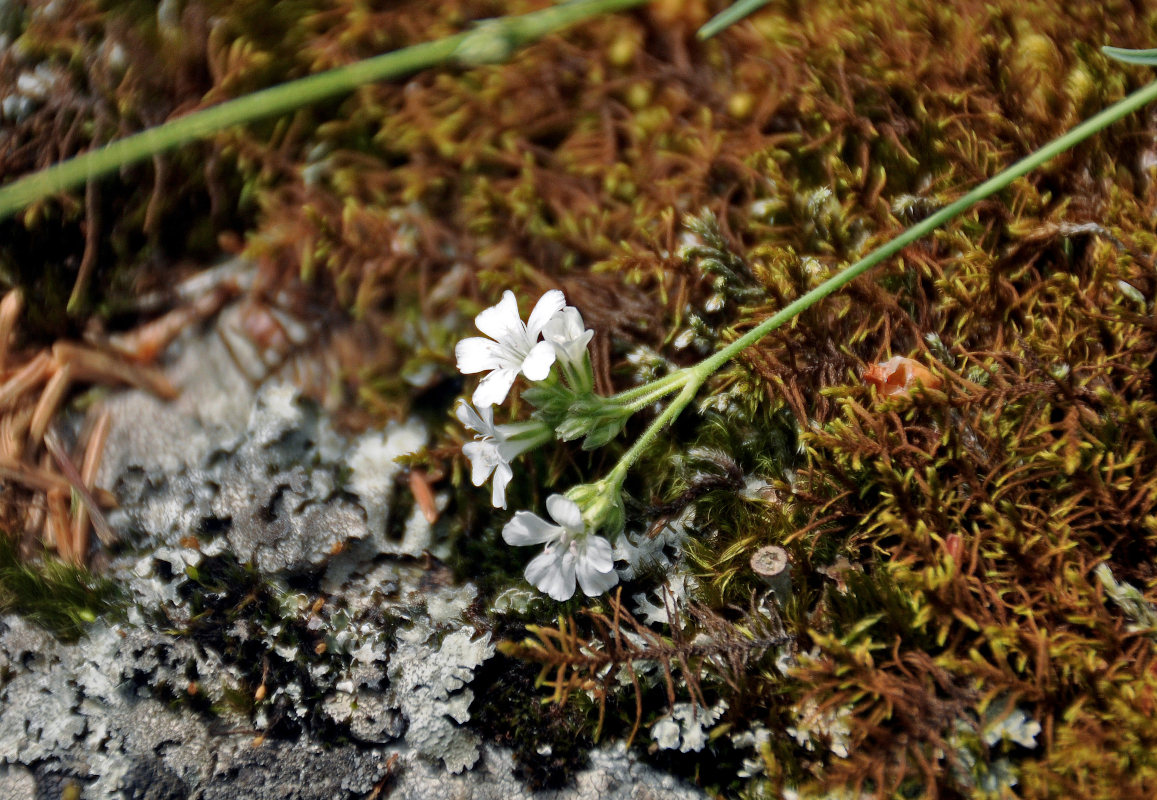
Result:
x=673 y=410
x=653 y=390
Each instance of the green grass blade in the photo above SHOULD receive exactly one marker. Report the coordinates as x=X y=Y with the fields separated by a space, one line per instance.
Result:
x=490 y=41
x=1145 y=57
x=731 y=15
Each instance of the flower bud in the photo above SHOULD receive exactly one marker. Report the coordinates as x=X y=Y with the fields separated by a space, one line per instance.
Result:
x=601 y=504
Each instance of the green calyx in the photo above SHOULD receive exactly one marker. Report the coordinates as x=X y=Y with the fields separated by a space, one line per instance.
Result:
x=601 y=504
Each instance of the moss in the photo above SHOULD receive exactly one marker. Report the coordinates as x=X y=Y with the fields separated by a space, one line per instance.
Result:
x=233 y=611
x=943 y=543
x=549 y=743
x=57 y=596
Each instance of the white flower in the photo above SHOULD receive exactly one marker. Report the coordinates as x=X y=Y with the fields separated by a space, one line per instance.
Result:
x=569 y=336
x=492 y=449
x=512 y=347
x=571 y=550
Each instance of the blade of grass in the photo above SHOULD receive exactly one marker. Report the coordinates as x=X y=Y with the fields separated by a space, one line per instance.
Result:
x=491 y=41
x=1143 y=57
x=729 y=16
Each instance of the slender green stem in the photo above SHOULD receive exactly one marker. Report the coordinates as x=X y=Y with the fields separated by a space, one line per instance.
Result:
x=673 y=410
x=491 y=41
x=639 y=402
x=729 y=16
x=691 y=378
x=665 y=385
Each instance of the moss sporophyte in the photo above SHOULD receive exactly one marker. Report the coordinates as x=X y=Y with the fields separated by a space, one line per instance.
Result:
x=566 y=406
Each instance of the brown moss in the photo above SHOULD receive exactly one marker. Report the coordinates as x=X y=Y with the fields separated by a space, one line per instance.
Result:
x=976 y=512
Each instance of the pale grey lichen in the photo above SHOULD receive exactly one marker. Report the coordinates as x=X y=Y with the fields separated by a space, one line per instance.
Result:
x=827 y=727
x=613 y=774
x=686 y=727
x=373 y=463
x=517 y=600
x=657 y=551
x=1016 y=726
x=428 y=683
x=670 y=599
x=756 y=738
x=16 y=781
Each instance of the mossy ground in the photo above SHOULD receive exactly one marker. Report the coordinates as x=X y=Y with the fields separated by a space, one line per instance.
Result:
x=943 y=543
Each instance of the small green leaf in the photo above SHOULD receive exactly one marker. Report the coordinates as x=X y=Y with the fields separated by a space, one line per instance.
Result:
x=1145 y=57
x=603 y=433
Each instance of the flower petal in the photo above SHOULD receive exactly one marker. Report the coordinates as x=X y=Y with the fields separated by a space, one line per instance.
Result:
x=501 y=321
x=484 y=457
x=467 y=415
x=480 y=421
x=565 y=512
x=502 y=475
x=553 y=573
x=599 y=554
x=547 y=306
x=527 y=528
x=477 y=355
x=564 y=326
x=493 y=389
x=536 y=365
x=592 y=580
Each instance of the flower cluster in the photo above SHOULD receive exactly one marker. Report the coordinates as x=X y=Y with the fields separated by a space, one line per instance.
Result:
x=566 y=407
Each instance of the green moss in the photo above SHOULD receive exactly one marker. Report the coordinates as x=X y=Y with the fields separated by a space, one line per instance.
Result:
x=56 y=596
x=549 y=743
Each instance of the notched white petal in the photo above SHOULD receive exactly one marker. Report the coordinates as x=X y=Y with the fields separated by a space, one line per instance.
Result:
x=480 y=421
x=526 y=528
x=547 y=306
x=600 y=554
x=593 y=581
x=501 y=321
x=552 y=574
x=493 y=389
x=477 y=355
x=483 y=459
x=502 y=475
x=564 y=326
x=538 y=361
x=566 y=332
x=467 y=415
x=565 y=512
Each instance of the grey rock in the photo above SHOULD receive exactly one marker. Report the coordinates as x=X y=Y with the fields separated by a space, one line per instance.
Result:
x=300 y=770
